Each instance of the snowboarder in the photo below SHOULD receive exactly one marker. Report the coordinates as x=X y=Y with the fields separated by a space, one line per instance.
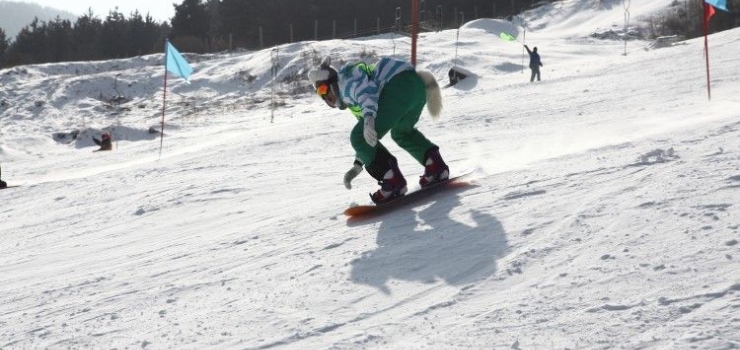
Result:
x=3 y=184
x=388 y=96
x=534 y=63
x=105 y=143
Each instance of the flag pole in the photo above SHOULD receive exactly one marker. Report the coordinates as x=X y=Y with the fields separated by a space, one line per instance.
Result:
x=525 y=39
x=164 y=98
x=706 y=46
x=414 y=29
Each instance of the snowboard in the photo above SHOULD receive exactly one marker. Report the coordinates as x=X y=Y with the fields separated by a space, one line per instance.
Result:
x=9 y=187
x=369 y=209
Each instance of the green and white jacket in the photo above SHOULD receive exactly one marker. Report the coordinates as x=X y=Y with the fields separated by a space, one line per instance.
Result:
x=360 y=84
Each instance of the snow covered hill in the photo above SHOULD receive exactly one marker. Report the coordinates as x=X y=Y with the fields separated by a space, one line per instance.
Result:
x=603 y=215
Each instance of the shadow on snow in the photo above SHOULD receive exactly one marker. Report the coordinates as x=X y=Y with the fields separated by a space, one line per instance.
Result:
x=429 y=245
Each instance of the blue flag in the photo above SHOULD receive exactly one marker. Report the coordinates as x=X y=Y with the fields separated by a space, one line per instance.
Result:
x=720 y=4
x=176 y=63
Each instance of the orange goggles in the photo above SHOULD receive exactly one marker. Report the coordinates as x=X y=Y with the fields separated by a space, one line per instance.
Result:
x=322 y=89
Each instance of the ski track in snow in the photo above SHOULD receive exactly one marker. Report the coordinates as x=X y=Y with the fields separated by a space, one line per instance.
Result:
x=603 y=213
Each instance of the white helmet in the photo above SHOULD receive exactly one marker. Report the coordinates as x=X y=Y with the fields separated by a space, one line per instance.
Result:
x=325 y=75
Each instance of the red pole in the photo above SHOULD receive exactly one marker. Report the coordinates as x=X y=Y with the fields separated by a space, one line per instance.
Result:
x=164 y=98
x=414 y=28
x=707 y=13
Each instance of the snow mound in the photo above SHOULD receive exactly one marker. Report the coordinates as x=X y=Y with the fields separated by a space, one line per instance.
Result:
x=492 y=26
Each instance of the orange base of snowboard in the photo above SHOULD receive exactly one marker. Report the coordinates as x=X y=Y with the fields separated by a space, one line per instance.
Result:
x=361 y=210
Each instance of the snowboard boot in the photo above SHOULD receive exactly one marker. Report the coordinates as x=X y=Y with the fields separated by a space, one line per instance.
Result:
x=392 y=185
x=435 y=169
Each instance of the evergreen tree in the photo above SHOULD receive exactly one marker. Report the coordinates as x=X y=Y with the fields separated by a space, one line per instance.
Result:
x=216 y=40
x=235 y=20
x=153 y=35
x=113 y=40
x=136 y=39
x=190 y=26
x=28 y=46
x=4 y=43
x=86 y=36
x=58 y=41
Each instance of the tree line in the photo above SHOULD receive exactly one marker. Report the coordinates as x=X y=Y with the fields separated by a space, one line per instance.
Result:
x=215 y=25
x=88 y=38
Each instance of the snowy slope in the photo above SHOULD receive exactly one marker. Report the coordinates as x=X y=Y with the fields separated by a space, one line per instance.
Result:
x=604 y=212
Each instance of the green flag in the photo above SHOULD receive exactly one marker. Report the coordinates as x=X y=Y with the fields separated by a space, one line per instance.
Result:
x=507 y=37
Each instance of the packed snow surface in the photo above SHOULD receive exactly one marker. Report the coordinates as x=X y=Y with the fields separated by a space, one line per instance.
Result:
x=604 y=212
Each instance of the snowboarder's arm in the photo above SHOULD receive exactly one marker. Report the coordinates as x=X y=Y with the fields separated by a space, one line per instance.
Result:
x=97 y=142
x=358 y=90
x=528 y=51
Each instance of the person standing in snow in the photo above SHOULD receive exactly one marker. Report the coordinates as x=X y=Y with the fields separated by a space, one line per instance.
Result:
x=105 y=143
x=534 y=63
x=387 y=96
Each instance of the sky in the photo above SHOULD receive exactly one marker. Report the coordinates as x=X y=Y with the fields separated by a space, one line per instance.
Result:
x=159 y=10
x=602 y=212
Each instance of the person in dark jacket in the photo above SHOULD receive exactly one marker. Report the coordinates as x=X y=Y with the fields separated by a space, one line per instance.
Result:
x=534 y=63
x=105 y=143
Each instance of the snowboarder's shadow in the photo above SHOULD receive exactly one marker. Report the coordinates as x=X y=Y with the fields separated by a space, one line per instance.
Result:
x=429 y=245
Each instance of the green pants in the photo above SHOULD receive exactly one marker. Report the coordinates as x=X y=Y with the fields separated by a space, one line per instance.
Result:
x=399 y=108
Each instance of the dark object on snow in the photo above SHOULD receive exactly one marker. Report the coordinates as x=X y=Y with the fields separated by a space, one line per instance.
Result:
x=3 y=184
x=455 y=76
x=105 y=143
x=534 y=63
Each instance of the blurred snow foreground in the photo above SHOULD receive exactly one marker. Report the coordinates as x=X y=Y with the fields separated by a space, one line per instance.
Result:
x=603 y=214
